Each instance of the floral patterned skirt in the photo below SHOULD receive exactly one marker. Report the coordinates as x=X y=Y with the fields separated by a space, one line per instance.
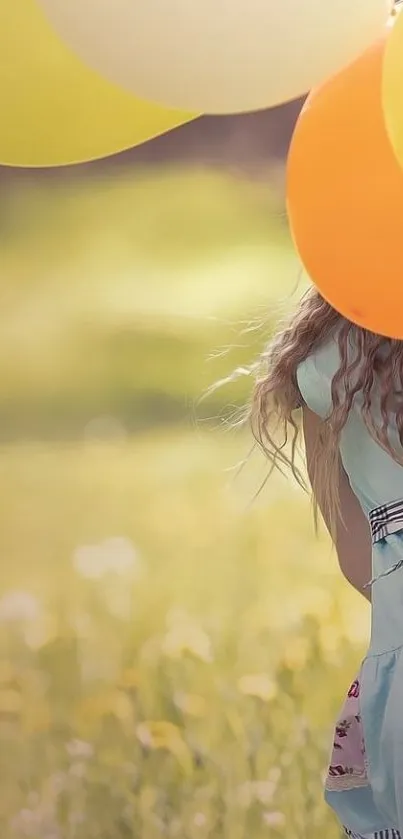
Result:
x=347 y=768
x=348 y=764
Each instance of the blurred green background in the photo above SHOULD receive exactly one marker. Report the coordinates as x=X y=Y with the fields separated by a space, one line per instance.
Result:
x=173 y=649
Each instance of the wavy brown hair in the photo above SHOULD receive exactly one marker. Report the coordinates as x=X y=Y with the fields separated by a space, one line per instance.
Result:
x=374 y=368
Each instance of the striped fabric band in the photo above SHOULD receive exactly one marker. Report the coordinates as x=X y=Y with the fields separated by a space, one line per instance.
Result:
x=386 y=520
x=389 y=833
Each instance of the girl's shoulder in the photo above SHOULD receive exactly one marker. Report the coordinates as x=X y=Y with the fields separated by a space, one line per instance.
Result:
x=315 y=374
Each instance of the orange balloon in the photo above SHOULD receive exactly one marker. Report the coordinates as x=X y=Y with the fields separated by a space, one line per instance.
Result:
x=345 y=197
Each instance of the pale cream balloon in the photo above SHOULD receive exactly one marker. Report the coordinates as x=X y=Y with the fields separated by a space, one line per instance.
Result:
x=218 y=56
x=55 y=110
x=392 y=87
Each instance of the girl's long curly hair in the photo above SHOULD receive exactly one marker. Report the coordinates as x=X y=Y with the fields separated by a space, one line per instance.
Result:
x=375 y=370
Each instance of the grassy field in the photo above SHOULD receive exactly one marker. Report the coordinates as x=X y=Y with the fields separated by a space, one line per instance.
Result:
x=171 y=656
x=172 y=651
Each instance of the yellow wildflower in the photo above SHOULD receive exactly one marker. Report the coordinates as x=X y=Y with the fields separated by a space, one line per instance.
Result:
x=191 y=704
x=167 y=736
x=10 y=702
x=187 y=638
x=296 y=653
x=259 y=685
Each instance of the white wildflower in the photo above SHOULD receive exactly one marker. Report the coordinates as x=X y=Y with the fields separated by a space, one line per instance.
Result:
x=121 y=556
x=79 y=750
x=200 y=820
x=274 y=819
x=113 y=556
x=90 y=561
x=19 y=606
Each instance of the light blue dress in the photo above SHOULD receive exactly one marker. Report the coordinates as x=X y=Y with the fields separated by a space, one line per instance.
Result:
x=370 y=801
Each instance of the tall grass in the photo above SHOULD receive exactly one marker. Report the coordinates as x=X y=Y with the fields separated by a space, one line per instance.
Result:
x=171 y=658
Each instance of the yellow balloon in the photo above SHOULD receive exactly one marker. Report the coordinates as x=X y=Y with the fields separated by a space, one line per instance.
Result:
x=218 y=57
x=392 y=86
x=55 y=110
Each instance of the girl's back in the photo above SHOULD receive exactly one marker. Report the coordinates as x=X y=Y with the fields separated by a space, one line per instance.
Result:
x=349 y=384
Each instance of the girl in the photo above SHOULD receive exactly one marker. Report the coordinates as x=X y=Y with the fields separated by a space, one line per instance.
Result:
x=349 y=384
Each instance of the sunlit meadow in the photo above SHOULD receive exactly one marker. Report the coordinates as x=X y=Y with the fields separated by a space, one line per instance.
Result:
x=174 y=644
